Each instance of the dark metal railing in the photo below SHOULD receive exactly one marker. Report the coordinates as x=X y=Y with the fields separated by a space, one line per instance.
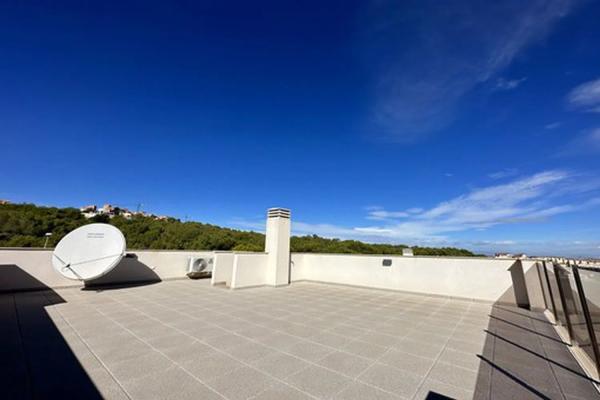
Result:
x=572 y=295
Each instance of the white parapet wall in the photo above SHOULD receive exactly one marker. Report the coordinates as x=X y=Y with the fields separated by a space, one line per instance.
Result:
x=249 y=270
x=240 y=270
x=464 y=277
x=222 y=272
x=473 y=278
x=26 y=269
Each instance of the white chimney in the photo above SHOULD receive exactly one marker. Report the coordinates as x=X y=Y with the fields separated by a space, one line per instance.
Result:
x=277 y=245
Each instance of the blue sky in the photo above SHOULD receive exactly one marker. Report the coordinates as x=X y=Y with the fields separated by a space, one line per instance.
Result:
x=473 y=124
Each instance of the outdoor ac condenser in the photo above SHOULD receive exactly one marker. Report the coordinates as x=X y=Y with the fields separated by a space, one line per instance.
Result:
x=199 y=267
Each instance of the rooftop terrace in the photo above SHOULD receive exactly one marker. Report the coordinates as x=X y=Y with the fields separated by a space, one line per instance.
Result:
x=186 y=339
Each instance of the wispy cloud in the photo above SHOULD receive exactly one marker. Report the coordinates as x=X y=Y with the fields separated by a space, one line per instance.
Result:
x=451 y=50
x=552 y=125
x=529 y=199
x=505 y=173
x=525 y=200
x=381 y=214
x=586 y=97
x=568 y=248
x=586 y=143
x=503 y=84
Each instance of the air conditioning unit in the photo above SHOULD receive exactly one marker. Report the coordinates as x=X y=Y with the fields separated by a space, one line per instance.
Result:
x=199 y=267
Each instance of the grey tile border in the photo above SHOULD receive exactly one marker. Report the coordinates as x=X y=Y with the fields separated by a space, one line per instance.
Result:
x=282 y=392
x=250 y=352
x=309 y=351
x=139 y=367
x=364 y=349
x=465 y=360
x=454 y=376
x=390 y=379
x=346 y=364
x=241 y=383
x=361 y=391
x=281 y=365
x=170 y=384
x=408 y=362
x=318 y=381
x=431 y=387
x=420 y=349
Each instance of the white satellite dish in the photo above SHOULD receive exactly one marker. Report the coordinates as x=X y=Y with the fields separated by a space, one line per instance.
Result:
x=89 y=252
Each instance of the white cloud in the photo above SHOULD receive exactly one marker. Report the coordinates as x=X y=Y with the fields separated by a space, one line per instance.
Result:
x=503 y=84
x=451 y=50
x=524 y=200
x=552 y=125
x=505 y=173
x=380 y=214
x=566 y=248
x=529 y=199
x=587 y=142
x=586 y=97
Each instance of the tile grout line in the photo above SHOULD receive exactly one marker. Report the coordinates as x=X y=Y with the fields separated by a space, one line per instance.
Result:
x=214 y=348
x=23 y=347
x=294 y=356
x=355 y=379
x=396 y=300
x=539 y=339
x=104 y=366
x=160 y=352
x=438 y=357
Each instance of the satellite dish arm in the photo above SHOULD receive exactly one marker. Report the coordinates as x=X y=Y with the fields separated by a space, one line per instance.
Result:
x=60 y=259
x=67 y=266
x=96 y=259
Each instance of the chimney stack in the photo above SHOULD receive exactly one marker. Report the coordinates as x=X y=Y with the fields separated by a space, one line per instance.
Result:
x=277 y=245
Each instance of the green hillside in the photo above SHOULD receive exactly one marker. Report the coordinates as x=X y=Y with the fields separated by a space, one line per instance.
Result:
x=24 y=225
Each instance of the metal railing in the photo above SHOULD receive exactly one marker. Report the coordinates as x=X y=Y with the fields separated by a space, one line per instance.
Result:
x=572 y=295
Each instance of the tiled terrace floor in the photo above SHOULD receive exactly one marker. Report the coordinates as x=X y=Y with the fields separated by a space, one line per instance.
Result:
x=187 y=340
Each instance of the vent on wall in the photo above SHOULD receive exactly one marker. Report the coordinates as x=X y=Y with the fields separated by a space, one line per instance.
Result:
x=387 y=262
x=279 y=213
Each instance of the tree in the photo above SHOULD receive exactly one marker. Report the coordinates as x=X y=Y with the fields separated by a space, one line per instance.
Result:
x=25 y=225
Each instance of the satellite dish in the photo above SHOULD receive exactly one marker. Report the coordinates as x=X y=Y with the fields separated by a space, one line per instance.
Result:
x=89 y=252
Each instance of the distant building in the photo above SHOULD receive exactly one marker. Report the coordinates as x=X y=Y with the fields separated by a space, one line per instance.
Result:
x=107 y=209
x=89 y=211
x=90 y=208
x=111 y=211
x=503 y=255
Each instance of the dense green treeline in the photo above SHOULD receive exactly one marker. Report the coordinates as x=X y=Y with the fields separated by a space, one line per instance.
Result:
x=24 y=225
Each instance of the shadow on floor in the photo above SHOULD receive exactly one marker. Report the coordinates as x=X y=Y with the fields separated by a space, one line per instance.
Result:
x=130 y=272
x=523 y=357
x=35 y=360
x=437 y=396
